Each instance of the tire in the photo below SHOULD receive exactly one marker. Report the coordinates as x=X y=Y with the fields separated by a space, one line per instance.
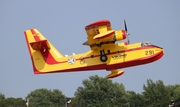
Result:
x=103 y=58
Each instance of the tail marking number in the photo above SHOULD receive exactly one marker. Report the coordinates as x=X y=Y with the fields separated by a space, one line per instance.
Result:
x=149 y=52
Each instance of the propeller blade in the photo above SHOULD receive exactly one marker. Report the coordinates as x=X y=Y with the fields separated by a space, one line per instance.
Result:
x=126 y=32
x=125 y=26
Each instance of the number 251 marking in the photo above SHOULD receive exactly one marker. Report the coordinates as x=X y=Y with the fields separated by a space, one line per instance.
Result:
x=149 y=52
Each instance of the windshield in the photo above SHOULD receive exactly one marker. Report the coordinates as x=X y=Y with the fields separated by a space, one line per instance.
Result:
x=145 y=44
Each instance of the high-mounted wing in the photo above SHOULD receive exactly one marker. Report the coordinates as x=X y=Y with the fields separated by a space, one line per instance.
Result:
x=96 y=28
x=101 y=32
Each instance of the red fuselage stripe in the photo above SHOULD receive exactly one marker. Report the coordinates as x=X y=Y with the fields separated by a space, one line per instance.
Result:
x=49 y=59
x=110 y=67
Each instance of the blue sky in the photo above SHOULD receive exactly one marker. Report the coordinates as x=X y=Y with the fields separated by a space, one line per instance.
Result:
x=63 y=22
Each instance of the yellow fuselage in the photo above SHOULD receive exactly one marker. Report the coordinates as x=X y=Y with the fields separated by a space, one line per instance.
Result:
x=47 y=59
x=119 y=56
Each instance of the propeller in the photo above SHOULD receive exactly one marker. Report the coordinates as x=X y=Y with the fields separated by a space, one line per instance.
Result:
x=126 y=31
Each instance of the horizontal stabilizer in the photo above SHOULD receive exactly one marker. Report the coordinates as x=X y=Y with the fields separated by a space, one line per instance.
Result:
x=41 y=45
x=86 y=43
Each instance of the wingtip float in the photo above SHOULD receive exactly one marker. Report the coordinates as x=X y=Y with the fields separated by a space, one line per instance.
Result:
x=104 y=54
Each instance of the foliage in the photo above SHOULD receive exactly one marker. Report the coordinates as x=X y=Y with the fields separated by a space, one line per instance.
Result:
x=2 y=100
x=11 y=102
x=100 y=92
x=156 y=94
x=46 y=98
x=135 y=99
x=15 y=102
x=174 y=92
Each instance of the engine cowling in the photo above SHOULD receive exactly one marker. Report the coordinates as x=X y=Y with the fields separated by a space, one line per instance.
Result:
x=120 y=35
x=110 y=36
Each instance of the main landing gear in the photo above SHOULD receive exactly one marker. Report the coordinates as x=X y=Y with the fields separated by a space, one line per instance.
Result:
x=103 y=57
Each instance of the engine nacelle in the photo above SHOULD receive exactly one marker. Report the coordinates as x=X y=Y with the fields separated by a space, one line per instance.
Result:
x=120 y=35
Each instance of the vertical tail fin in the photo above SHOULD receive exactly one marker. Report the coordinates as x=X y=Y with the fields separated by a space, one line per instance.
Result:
x=40 y=49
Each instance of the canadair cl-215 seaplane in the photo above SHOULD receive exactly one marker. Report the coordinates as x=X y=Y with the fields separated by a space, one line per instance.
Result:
x=105 y=53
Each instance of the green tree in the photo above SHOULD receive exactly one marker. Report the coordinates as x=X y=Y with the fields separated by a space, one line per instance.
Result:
x=46 y=98
x=135 y=99
x=155 y=94
x=100 y=92
x=174 y=92
x=11 y=102
x=2 y=100
x=15 y=102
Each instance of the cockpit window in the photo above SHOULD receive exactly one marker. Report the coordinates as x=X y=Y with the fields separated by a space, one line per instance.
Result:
x=145 y=44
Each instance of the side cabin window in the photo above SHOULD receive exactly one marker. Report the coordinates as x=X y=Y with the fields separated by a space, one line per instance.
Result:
x=97 y=31
x=143 y=44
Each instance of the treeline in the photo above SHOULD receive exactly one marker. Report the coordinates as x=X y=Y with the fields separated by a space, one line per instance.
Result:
x=100 y=92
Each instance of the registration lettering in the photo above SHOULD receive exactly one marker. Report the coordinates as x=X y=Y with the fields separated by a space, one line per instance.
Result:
x=119 y=56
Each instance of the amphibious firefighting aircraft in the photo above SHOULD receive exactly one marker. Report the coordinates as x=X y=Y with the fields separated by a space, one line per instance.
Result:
x=105 y=52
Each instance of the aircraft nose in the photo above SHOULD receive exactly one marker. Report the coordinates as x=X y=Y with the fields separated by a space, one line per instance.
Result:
x=159 y=49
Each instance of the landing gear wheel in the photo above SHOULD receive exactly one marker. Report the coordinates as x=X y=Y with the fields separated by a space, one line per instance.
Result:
x=103 y=58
